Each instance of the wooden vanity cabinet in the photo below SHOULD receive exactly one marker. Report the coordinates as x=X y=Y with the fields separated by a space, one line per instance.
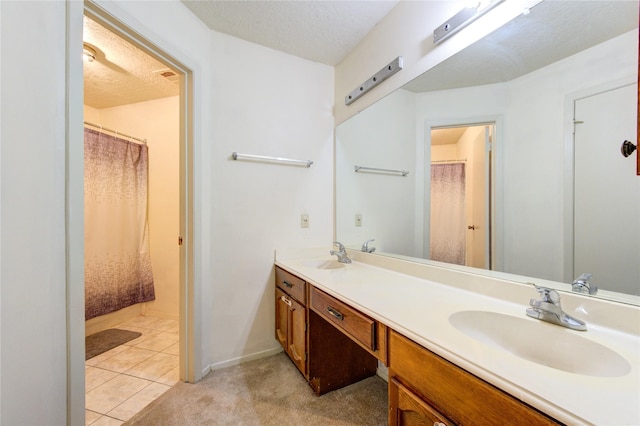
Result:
x=328 y=358
x=427 y=389
x=291 y=317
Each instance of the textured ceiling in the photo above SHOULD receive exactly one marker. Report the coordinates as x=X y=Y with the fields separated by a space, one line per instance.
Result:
x=325 y=31
x=551 y=31
x=121 y=73
x=321 y=31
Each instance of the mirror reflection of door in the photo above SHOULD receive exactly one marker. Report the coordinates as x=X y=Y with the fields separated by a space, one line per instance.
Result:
x=460 y=192
x=606 y=191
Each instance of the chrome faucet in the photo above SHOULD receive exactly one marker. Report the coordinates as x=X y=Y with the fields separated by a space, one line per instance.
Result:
x=582 y=284
x=342 y=254
x=548 y=309
x=365 y=246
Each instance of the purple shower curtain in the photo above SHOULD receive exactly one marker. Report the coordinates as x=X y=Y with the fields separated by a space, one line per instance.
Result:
x=447 y=221
x=117 y=259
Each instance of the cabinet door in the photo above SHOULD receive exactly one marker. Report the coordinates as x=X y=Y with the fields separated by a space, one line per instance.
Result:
x=407 y=409
x=297 y=339
x=282 y=317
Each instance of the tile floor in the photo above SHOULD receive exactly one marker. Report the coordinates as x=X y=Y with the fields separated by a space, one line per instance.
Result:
x=122 y=381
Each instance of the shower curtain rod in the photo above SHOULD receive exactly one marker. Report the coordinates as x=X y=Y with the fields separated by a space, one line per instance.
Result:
x=104 y=129
x=464 y=160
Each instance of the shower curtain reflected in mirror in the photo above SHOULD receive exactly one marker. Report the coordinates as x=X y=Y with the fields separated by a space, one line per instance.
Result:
x=117 y=259
x=447 y=219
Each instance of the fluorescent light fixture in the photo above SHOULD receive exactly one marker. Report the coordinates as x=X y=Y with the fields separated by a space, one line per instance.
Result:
x=390 y=69
x=463 y=18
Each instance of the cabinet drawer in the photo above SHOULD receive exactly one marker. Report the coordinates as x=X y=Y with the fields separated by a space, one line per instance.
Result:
x=292 y=285
x=460 y=396
x=355 y=324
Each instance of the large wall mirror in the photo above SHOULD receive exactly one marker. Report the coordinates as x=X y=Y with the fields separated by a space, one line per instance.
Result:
x=506 y=158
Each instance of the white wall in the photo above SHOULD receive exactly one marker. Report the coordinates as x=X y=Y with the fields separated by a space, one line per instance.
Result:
x=444 y=152
x=246 y=98
x=33 y=369
x=265 y=103
x=383 y=137
x=158 y=122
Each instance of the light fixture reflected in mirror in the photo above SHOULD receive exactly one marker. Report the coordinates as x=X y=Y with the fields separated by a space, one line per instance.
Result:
x=88 y=52
x=473 y=11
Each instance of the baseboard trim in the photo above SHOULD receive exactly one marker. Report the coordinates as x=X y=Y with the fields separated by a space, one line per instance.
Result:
x=240 y=360
x=111 y=319
x=383 y=372
x=160 y=314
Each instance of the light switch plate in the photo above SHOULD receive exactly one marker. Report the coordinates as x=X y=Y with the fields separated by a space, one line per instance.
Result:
x=304 y=220
x=358 y=219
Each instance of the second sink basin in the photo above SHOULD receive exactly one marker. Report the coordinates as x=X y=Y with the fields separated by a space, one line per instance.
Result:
x=542 y=343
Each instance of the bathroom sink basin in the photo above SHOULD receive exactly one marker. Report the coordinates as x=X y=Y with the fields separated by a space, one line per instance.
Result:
x=324 y=264
x=546 y=344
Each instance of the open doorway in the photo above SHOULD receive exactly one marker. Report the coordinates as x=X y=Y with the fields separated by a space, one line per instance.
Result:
x=136 y=94
x=460 y=193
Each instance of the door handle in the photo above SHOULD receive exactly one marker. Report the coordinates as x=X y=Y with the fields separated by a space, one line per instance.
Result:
x=472 y=227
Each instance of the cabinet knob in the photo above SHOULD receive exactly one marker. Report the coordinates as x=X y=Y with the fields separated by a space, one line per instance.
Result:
x=439 y=424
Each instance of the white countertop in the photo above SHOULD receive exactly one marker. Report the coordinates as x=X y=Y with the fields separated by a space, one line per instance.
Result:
x=419 y=308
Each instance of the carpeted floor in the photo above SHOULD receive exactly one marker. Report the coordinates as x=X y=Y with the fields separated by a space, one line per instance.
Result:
x=268 y=391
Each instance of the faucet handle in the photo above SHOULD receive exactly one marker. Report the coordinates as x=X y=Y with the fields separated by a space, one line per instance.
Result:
x=548 y=294
x=584 y=278
x=582 y=284
x=339 y=244
x=365 y=246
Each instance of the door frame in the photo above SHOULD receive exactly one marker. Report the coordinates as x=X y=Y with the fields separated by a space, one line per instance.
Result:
x=189 y=344
x=495 y=183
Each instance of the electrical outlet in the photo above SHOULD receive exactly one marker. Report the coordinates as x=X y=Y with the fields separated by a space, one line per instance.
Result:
x=304 y=220
x=358 y=219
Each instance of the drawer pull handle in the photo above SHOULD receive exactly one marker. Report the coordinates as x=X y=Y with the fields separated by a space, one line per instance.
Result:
x=335 y=313
x=287 y=283
x=439 y=424
x=285 y=300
